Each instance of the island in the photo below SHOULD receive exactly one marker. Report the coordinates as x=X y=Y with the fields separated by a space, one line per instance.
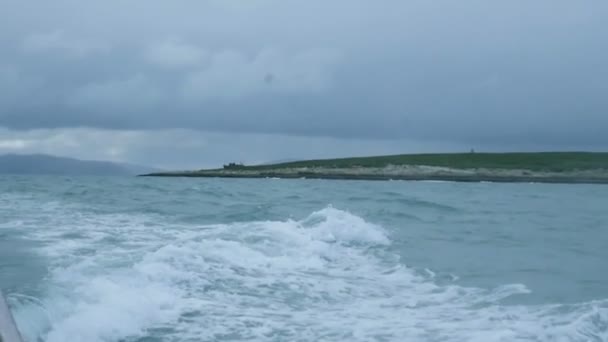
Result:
x=542 y=167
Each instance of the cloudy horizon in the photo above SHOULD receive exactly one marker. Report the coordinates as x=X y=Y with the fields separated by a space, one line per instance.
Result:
x=190 y=84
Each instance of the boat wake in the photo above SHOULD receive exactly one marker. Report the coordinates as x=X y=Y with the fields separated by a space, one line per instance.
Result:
x=329 y=277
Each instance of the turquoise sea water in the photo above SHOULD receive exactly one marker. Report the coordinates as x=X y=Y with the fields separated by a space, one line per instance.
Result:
x=152 y=259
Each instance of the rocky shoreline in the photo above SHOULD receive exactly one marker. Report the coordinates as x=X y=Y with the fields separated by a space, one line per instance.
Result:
x=404 y=172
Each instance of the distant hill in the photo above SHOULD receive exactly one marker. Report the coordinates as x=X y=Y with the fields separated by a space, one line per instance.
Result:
x=546 y=167
x=51 y=165
x=534 y=161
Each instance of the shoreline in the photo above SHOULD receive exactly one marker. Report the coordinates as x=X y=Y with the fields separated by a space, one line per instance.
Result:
x=468 y=178
x=535 y=167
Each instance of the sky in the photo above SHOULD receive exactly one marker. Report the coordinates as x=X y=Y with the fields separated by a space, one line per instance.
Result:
x=186 y=84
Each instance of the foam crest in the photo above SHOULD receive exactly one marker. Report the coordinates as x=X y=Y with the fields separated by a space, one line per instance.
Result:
x=111 y=309
x=331 y=224
x=328 y=277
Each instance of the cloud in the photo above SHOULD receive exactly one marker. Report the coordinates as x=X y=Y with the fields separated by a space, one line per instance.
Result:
x=13 y=144
x=231 y=75
x=58 y=41
x=470 y=72
x=117 y=97
x=174 y=54
x=9 y=78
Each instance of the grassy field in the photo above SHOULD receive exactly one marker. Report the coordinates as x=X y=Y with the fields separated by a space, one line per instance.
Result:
x=543 y=161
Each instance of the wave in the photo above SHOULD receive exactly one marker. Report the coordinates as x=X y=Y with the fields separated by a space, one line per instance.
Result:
x=329 y=277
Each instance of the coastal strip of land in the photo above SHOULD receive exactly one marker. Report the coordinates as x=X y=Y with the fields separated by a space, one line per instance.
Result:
x=544 y=167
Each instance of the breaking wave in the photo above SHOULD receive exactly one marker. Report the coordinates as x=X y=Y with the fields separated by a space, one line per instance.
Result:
x=329 y=277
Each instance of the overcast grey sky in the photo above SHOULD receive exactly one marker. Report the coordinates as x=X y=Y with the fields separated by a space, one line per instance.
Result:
x=187 y=83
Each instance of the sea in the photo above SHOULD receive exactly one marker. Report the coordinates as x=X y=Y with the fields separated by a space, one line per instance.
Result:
x=94 y=259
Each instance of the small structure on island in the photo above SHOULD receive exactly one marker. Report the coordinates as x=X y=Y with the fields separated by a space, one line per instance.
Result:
x=234 y=166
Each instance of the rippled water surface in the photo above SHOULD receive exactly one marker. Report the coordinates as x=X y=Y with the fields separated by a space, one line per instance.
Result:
x=151 y=259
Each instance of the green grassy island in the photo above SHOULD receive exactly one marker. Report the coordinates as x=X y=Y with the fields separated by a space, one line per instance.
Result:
x=546 y=167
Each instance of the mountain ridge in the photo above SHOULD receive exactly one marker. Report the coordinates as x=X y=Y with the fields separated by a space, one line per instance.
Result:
x=44 y=164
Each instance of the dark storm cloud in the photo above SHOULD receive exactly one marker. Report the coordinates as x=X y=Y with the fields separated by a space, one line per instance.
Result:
x=468 y=71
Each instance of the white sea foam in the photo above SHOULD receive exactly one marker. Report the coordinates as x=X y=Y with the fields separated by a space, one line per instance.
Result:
x=329 y=277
